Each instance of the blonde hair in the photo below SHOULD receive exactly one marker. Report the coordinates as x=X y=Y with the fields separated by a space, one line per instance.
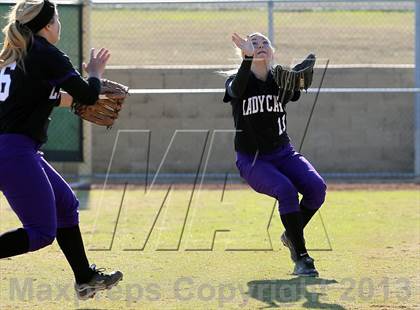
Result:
x=241 y=54
x=17 y=36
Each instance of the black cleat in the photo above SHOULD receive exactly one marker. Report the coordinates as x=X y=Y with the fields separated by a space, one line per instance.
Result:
x=100 y=281
x=305 y=267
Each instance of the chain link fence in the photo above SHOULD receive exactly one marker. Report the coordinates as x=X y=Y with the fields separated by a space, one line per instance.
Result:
x=370 y=44
x=159 y=33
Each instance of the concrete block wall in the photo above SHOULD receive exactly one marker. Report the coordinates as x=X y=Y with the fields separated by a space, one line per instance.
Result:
x=348 y=132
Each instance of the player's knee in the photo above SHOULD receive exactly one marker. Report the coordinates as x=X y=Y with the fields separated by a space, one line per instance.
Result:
x=47 y=239
x=72 y=207
x=318 y=192
x=69 y=203
x=68 y=213
x=286 y=192
x=321 y=190
x=39 y=239
x=288 y=199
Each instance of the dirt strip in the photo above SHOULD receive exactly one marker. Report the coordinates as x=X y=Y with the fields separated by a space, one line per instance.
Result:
x=332 y=186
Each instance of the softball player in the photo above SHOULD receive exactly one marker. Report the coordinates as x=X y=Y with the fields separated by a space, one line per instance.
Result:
x=32 y=73
x=265 y=157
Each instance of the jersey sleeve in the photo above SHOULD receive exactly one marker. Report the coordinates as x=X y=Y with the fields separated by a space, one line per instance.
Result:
x=58 y=67
x=228 y=92
x=61 y=73
x=83 y=92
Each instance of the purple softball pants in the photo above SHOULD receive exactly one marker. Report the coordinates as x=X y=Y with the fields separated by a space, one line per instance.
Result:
x=38 y=195
x=283 y=174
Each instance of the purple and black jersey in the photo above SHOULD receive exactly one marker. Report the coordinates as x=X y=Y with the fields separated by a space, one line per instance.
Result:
x=259 y=116
x=28 y=97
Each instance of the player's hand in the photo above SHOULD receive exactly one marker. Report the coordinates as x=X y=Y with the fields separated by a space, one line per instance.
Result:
x=245 y=45
x=97 y=62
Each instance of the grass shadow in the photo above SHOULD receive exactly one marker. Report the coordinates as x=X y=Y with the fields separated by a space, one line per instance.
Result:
x=277 y=293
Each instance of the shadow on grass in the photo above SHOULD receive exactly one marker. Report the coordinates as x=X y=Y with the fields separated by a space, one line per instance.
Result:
x=278 y=293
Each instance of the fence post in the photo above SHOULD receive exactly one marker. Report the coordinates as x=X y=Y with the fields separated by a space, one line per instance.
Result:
x=270 y=5
x=417 y=95
x=85 y=167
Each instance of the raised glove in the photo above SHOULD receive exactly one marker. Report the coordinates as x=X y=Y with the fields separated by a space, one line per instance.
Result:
x=298 y=78
x=105 y=110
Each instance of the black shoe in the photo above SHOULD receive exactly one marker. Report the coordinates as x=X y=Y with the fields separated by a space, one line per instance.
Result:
x=99 y=282
x=305 y=267
x=288 y=244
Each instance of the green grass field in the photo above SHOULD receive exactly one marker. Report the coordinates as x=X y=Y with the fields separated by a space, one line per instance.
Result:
x=373 y=262
x=202 y=37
